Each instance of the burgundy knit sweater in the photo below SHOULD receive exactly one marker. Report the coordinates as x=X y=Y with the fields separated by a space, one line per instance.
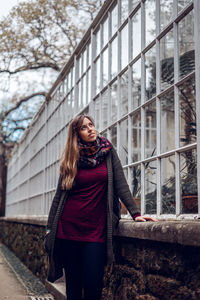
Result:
x=84 y=214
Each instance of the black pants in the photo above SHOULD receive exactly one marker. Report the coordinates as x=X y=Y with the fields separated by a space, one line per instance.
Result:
x=84 y=267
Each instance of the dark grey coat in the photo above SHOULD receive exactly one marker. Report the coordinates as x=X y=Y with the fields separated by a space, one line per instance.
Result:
x=117 y=188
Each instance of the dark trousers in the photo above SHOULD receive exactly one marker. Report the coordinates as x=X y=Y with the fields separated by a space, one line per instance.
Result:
x=84 y=268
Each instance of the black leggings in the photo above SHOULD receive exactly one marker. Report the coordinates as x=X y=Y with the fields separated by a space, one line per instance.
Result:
x=84 y=268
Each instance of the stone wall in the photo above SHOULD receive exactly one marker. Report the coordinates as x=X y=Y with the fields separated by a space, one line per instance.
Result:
x=24 y=236
x=147 y=269
x=153 y=260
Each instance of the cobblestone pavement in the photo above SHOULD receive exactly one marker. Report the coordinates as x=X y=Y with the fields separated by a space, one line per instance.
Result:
x=16 y=281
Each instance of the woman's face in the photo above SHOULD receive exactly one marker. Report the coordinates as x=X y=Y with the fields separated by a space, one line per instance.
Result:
x=87 y=131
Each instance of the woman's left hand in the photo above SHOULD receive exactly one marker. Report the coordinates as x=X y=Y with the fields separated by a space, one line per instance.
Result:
x=144 y=219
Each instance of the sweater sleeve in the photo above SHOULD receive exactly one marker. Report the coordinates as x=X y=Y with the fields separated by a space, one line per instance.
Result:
x=54 y=204
x=121 y=186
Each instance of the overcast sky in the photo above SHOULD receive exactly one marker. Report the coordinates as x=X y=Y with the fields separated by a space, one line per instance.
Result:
x=5 y=6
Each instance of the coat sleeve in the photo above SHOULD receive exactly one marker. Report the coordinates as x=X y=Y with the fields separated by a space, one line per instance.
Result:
x=121 y=186
x=54 y=204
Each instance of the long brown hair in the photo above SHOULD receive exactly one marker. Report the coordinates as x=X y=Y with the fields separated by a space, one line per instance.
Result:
x=70 y=155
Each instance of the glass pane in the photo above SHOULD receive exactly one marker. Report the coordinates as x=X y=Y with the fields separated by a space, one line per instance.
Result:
x=187 y=102
x=136 y=184
x=124 y=10
x=124 y=47
x=150 y=13
x=114 y=52
x=186 y=45
x=89 y=55
x=188 y=174
x=105 y=32
x=97 y=65
x=166 y=13
x=167 y=60
x=136 y=84
x=84 y=55
x=89 y=85
x=150 y=130
x=80 y=99
x=97 y=42
x=84 y=91
x=123 y=150
x=134 y=3
x=104 y=134
x=114 y=102
x=69 y=81
x=104 y=109
x=136 y=137
x=150 y=66
x=73 y=76
x=182 y=4
x=105 y=67
x=97 y=113
x=150 y=187
x=124 y=94
x=113 y=136
x=136 y=33
x=167 y=125
x=168 y=203
x=114 y=20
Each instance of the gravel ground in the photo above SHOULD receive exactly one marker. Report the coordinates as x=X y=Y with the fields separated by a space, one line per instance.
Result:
x=35 y=289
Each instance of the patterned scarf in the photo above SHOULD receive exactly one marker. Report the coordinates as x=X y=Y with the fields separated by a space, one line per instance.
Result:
x=93 y=153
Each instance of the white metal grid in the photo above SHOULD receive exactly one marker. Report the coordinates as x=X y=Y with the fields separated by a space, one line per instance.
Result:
x=33 y=168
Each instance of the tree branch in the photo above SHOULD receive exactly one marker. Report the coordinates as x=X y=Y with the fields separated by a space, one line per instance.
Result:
x=28 y=68
x=23 y=100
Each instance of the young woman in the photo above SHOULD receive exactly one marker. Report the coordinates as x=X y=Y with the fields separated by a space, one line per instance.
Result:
x=85 y=210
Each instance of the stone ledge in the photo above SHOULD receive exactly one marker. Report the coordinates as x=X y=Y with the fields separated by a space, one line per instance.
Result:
x=32 y=220
x=182 y=232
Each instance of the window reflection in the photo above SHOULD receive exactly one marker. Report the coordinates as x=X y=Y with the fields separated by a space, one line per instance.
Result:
x=89 y=85
x=186 y=45
x=98 y=45
x=188 y=175
x=114 y=102
x=84 y=56
x=124 y=94
x=124 y=47
x=97 y=65
x=182 y=4
x=114 y=58
x=166 y=12
x=167 y=122
x=136 y=137
x=150 y=15
x=150 y=187
x=187 y=102
x=105 y=33
x=134 y=3
x=97 y=113
x=168 y=203
x=113 y=136
x=84 y=91
x=136 y=184
x=123 y=150
x=105 y=67
x=150 y=130
x=104 y=109
x=124 y=10
x=136 y=34
x=150 y=66
x=136 y=84
x=167 y=60
x=114 y=20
